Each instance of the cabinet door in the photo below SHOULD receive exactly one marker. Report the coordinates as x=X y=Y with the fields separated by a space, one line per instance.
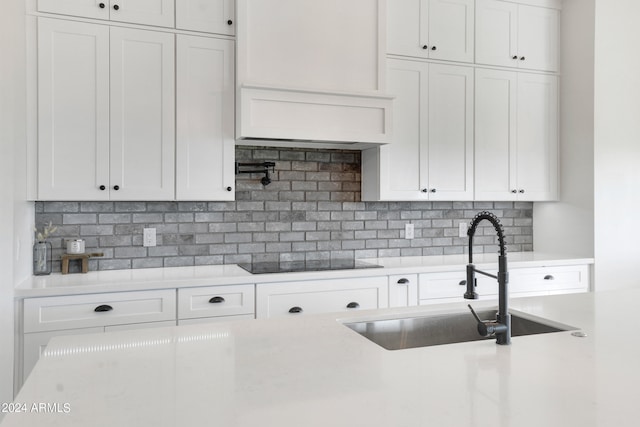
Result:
x=402 y=163
x=407 y=27
x=211 y=16
x=451 y=30
x=537 y=137
x=496 y=33
x=84 y=8
x=148 y=12
x=538 y=38
x=142 y=115
x=205 y=119
x=73 y=110
x=495 y=134
x=450 y=133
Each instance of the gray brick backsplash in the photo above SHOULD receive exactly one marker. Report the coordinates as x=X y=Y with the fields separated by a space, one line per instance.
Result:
x=310 y=211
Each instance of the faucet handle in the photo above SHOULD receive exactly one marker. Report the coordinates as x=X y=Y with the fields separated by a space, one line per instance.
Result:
x=487 y=328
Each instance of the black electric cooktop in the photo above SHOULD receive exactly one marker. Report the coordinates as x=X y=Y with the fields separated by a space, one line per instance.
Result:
x=297 y=266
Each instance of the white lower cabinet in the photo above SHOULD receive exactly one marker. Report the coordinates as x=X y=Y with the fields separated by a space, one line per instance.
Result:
x=403 y=290
x=446 y=287
x=48 y=317
x=215 y=303
x=321 y=296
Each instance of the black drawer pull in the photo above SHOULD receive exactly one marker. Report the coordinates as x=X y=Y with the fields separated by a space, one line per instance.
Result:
x=549 y=277
x=103 y=308
x=403 y=281
x=295 y=310
x=216 y=300
x=353 y=305
x=463 y=283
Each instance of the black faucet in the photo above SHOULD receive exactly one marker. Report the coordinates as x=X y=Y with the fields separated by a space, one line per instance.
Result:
x=501 y=327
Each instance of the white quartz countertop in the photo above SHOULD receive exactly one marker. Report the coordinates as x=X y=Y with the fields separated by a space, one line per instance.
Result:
x=314 y=371
x=175 y=277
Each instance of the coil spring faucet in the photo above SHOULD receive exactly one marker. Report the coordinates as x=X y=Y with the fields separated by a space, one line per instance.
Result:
x=501 y=327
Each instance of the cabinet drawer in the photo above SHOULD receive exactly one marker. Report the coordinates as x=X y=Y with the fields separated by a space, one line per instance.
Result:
x=550 y=279
x=84 y=311
x=215 y=301
x=453 y=285
x=403 y=290
x=320 y=296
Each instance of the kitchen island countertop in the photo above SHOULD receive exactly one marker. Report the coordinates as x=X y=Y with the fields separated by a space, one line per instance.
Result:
x=314 y=371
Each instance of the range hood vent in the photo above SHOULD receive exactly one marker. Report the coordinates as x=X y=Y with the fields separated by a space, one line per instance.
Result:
x=316 y=81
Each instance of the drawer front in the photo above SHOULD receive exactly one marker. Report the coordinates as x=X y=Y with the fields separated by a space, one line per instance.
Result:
x=453 y=285
x=403 y=290
x=321 y=296
x=550 y=279
x=215 y=301
x=84 y=311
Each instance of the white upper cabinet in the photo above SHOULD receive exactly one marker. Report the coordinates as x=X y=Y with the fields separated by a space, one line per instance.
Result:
x=73 y=110
x=205 y=119
x=142 y=114
x=517 y=35
x=146 y=12
x=431 y=157
x=435 y=29
x=210 y=16
x=105 y=112
x=516 y=136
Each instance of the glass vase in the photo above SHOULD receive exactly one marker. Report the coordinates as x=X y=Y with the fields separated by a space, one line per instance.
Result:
x=42 y=258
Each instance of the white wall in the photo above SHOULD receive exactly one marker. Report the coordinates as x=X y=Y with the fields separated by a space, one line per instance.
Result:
x=567 y=226
x=16 y=215
x=617 y=144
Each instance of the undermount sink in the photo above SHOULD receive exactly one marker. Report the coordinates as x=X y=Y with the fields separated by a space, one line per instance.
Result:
x=425 y=331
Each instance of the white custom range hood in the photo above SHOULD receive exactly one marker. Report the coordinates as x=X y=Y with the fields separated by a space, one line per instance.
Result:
x=312 y=73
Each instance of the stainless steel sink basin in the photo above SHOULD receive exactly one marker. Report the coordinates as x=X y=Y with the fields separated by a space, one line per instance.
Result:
x=397 y=334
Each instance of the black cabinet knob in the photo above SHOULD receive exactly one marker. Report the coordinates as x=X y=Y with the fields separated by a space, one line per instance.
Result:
x=521 y=191
x=549 y=277
x=295 y=310
x=103 y=308
x=101 y=5
x=514 y=57
x=229 y=22
x=463 y=283
x=425 y=47
x=433 y=48
x=424 y=190
x=229 y=188
x=116 y=7
x=353 y=305
x=403 y=281
x=514 y=191
x=522 y=58
x=433 y=190
x=116 y=187
x=216 y=300
x=102 y=188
